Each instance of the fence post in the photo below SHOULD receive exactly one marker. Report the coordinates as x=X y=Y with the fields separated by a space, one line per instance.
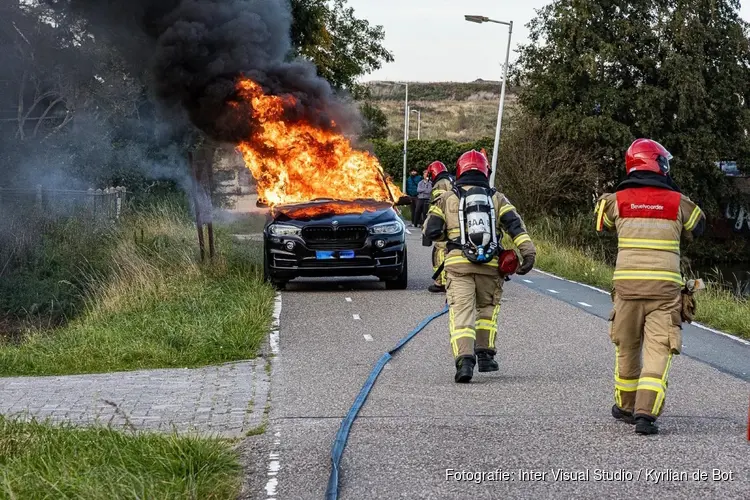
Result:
x=118 y=202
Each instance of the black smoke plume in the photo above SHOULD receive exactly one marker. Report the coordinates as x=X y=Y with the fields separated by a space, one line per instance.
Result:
x=197 y=49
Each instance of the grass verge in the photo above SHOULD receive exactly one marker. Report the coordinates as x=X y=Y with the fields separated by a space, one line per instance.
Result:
x=38 y=461
x=716 y=306
x=155 y=305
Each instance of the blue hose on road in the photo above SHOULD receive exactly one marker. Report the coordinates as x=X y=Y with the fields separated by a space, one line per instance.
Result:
x=332 y=493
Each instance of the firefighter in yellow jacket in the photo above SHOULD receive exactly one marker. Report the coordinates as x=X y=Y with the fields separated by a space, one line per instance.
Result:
x=470 y=218
x=649 y=214
x=441 y=182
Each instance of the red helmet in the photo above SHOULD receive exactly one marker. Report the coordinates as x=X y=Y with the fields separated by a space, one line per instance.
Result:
x=647 y=155
x=472 y=160
x=508 y=262
x=435 y=168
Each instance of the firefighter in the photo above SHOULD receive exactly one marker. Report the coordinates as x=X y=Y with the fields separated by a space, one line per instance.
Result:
x=469 y=218
x=441 y=182
x=649 y=214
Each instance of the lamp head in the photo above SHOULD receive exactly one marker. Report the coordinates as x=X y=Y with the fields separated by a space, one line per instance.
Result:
x=476 y=19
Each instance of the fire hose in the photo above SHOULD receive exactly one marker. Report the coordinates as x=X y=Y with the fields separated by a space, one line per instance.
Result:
x=343 y=434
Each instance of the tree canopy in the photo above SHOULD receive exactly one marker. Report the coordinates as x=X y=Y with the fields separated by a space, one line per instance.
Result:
x=342 y=46
x=603 y=73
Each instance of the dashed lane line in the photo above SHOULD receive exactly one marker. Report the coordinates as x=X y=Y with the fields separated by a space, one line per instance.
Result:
x=694 y=323
x=368 y=337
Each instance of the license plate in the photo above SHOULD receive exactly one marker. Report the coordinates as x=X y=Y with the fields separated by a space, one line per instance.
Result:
x=341 y=254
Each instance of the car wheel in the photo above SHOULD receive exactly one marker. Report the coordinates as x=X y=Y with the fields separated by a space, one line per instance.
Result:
x=402 y=280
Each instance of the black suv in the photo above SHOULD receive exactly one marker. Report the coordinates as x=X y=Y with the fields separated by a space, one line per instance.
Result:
x=335 y=238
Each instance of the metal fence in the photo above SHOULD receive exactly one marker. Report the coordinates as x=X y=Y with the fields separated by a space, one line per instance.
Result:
x=106 y=203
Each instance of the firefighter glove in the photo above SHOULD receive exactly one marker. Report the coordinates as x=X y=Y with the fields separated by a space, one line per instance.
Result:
x=688 y=307
x=527 y=264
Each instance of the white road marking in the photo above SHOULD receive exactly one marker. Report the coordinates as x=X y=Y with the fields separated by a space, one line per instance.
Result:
x=585 y=304
x=274 y=466
x=553 y=291
x=368 y=337
x=407 y=230
x=709 y=329
x=274 y=335
x=571 y=281
x=348 y=299
x=356 y=316
x=274 y=462
x=528 y=281
x=695 y=324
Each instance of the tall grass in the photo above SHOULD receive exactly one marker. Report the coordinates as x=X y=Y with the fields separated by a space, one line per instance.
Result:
x=154 y=305
x=39 y=461
x=560 y=252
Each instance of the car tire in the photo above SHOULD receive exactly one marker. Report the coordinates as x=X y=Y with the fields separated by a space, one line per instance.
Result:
x=402 y=280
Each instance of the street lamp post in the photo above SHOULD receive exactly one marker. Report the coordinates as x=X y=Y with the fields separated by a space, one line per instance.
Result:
x=406 y=129
x=482 y=19
x=419 y=123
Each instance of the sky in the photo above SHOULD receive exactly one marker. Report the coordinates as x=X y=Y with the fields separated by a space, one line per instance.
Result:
x=431 y=41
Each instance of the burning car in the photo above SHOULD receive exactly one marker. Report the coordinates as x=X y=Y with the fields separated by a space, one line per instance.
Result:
x=326 y=237
x=331 y=205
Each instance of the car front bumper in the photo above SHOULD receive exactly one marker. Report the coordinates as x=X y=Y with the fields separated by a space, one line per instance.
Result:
x=366 y=260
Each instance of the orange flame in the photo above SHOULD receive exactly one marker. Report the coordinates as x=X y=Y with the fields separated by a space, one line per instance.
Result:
x=296 y=162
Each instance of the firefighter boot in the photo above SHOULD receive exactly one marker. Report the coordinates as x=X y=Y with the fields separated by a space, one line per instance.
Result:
x=645 y=424
x=464 y=369
x=623 y=415
x=486 y=361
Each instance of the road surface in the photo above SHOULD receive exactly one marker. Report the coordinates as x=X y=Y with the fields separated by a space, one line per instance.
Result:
x=541 y=425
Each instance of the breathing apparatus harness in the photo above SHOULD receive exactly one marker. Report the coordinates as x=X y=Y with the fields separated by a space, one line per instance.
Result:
x=476 y=211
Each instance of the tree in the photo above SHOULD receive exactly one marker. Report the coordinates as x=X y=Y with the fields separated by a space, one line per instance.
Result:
x=376 y=122
x=342 y=46
x=602 y=73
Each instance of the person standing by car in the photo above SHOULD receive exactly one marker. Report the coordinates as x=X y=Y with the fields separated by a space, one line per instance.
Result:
x=424 y=192
x=412 y=186
x=470 y=219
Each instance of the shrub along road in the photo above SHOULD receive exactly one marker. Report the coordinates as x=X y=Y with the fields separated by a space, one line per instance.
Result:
x=547 y=409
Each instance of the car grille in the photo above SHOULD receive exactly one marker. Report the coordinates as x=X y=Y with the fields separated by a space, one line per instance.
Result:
x=326 y=238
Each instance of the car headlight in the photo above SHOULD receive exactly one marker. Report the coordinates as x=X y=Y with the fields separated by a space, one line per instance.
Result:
x=283 y=230
x=394 y=227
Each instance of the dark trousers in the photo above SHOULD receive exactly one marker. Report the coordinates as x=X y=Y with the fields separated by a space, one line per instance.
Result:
x=423 y=205
x=413 y=207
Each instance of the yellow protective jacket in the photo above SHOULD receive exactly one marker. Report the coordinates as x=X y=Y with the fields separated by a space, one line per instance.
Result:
x=442 y=225
x=649 y=222
x=440 y=187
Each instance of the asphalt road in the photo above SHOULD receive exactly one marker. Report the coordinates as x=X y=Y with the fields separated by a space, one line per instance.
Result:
x=547 y=410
